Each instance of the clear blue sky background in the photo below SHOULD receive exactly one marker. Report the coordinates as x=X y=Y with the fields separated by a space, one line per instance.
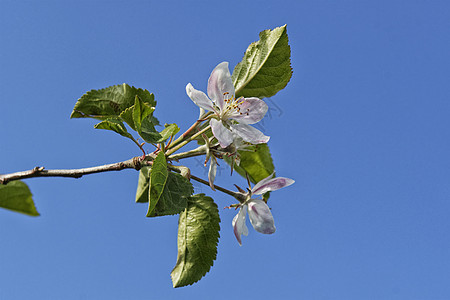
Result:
x=363 y=128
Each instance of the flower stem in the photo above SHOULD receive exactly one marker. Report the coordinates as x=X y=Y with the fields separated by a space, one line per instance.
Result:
x=191 y=153
x=202 y=118
x=173 y=149
x=240 y=197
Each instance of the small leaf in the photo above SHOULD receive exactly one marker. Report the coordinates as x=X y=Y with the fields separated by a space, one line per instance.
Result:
x=140 y=112
x=16 y=196
x=110 y=102
x=148 y=131
x=140 y=117
x=174 y=197
x=168 y=131
x=114 y=125
x=143 y=185
x=158 y=178
x=127 y=116
x=265 y=68
x=257 y=164
x=198 y=235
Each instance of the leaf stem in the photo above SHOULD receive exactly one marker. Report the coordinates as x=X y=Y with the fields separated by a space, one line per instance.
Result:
x=139 y=145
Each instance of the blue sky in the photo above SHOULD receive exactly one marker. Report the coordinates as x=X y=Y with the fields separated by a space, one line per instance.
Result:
x=362 y=127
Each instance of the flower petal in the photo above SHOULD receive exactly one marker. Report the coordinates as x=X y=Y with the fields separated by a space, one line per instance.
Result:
x=222 y=134
x=239 y=226
x=271 y=185
x=249 y=134
x=199 y=98
x=219 y=83
x=212 y=172
x=261 y=217
x=263 y=181
x=251 y=111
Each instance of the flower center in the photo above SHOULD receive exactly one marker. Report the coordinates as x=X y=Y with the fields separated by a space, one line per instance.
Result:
x=233 y=105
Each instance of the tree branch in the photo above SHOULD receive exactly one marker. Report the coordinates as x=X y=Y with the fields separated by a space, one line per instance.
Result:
x=134 y=163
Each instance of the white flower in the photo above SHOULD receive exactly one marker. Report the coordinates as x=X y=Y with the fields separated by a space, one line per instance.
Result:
x=258 y=211
x=226 y=107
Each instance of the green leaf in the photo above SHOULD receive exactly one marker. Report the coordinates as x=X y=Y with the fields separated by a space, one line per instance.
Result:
x=143 y=185
x=110 y=102
x=16 y=196
x=158 y=178
x=148 y=131
x=198 y=235
x=173 y=200
x=266 y=66
x=140 y=118
x=168 y=131
x=114 y=125
x=140 y=112
x=258 y=164
x=127 y=116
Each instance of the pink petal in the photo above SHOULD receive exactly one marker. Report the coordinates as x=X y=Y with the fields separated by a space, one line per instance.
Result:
x=261 y=217
x=222 y=134
x=239 y=226
x=220 y=84
x=249 y=134
x=263 y=181
x=251 y=111
x=199 y=98
x=271 y=185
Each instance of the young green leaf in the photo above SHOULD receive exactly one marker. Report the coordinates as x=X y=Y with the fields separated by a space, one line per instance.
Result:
x=127 y=117
x=16 y=196
x=168 y=131
x=148 y=131
x=173 y=198
x=140 y=118
x=266 y=66
x=198 y=235
x=143 y=185
x=114 y=125
x=141 y=112
x=110 y=102
x=158 y=178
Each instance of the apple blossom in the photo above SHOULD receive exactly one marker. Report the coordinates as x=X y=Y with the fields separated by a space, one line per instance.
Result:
x=259 y=213
x=232 y=116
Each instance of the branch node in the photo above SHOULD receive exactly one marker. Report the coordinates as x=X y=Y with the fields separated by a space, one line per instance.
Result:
x=37 y=169
x=137 y=163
